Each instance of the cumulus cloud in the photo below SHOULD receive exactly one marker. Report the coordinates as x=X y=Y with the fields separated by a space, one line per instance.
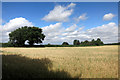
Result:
x=108 y=16
x=16 y=23
x=52 y=28
x=60 y=13
x=57 y=33
x=107 y=32
x=81 y=17
x=71 y=28
x=12 y=25
x=52 y=32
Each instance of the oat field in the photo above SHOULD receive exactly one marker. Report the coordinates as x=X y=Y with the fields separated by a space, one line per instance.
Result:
x=83 y=62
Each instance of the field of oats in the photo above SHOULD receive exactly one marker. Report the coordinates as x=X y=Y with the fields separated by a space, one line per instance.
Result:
x=71 y=62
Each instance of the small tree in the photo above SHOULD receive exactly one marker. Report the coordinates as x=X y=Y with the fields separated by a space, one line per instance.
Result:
x=86 y=41
x=98 y=42
x=93 y=42
x=76 y=42
x=65 y=43
x=49 y=44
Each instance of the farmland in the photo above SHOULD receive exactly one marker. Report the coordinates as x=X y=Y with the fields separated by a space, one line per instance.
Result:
x=83 y=62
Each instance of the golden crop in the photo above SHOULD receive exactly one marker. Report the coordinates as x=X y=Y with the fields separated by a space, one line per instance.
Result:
x=88 y=62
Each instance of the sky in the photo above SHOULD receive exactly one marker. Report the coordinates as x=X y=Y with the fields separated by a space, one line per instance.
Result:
x=63 y=21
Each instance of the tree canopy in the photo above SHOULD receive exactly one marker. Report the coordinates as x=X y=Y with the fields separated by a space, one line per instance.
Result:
x=76 y=42
x=97 y=42
x=32 y=34
x=65 y=43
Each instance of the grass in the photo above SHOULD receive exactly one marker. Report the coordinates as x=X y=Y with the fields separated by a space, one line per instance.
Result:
x=83 y=62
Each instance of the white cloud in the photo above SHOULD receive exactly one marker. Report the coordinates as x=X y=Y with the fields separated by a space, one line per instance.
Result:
x=52 y=28
x=16 y=23
x=52 y=32
x=107 y=32
x=56 y=33
x=81 y=17
x=11 y=26
x=71 y=28
x=60 y=13
x=108 y=16
x=71 y=5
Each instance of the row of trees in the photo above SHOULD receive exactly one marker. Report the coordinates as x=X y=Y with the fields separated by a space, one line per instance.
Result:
x=35 y=35
x=97 y=42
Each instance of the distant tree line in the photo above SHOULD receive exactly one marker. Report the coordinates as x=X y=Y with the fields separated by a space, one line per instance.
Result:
x=93 y=42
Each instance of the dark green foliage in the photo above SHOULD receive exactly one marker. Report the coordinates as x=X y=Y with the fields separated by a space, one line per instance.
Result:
x=113 y=44
x=98 y=42
x=65 y=43
x=76 y=42
x=20 y=35
x=93 y=42
x=19 y=67
x=35 y=35
x=7 y=44
x=49 y=44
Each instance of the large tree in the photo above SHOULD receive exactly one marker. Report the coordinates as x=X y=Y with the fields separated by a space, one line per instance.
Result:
x=32 y=34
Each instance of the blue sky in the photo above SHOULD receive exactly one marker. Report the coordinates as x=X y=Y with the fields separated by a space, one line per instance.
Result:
x=91 y=13
x=35 y=11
